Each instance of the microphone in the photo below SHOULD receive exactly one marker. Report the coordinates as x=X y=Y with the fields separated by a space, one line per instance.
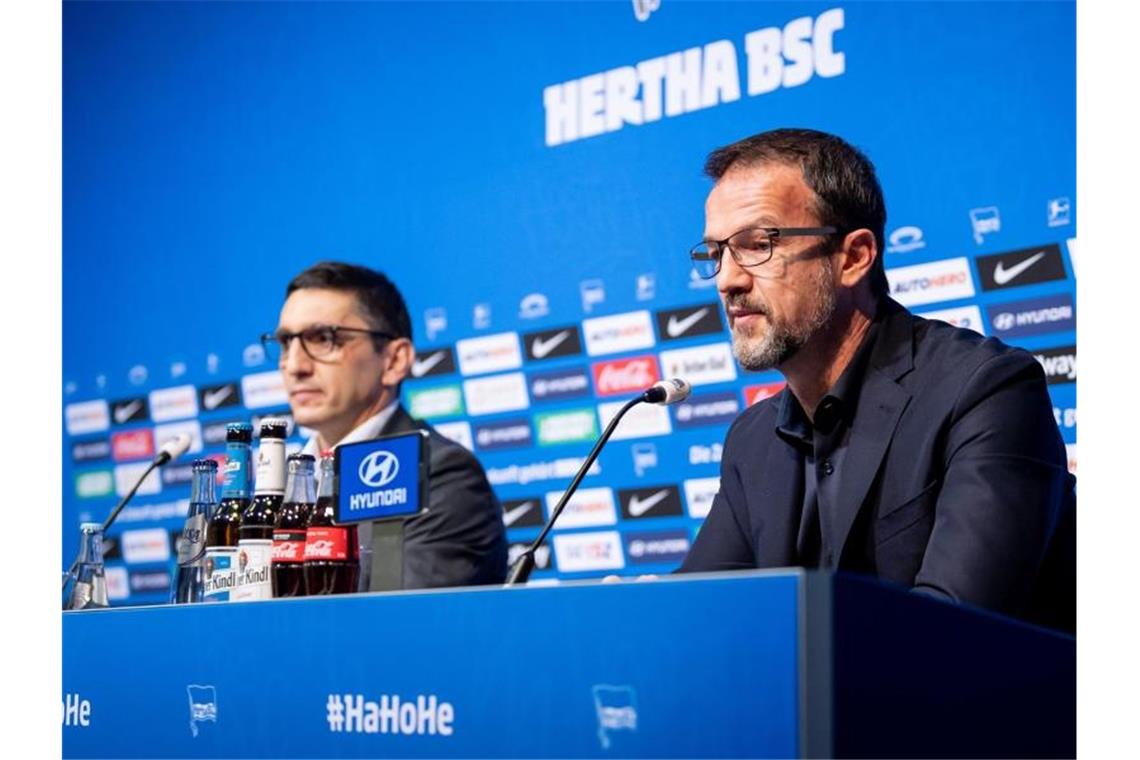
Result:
x=665 y=392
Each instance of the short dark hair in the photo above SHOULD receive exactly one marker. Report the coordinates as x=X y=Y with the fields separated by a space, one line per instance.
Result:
x=848 y=195
x=382 y=303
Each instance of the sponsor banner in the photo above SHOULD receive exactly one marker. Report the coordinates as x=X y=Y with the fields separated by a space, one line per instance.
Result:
x=91 y=451
x=500 y=393
x=176 y=474
x=905 y=240
x=699 y=495
x=87 y=417
x=433 y=361
x=214 y=433
x=116 y=579
x=523 y=513
x=644 y=457
x=441 y=401
x=94 y=484
x=145 y=545
x=943 y=280
x=542 y=555
x=555 y=469
x=264 y=389
x=152 y=512
x=174 y=403
x=653 y=501
x=967 y=317
x=132 y=444
x=551 y=344
x=220 y=396
x=559 y=385
x=1033 y=317
x=1028 y=266
x=566 y=426
x=641 y=421
x=170 y=431
x=581 y=552
x=129 y=410
x=621 y=332
x=126 y=475
x=625 y=376
x=460 y=432
x=587 y=508
x=503 y=434
x=707 y=409
x=700 y=365
x=659 y=546
x=378 y=479
x=1060 y=364
x=152 y=581
x=754 y=394
x=675 y=324
x=701 y=454
x=489 y=353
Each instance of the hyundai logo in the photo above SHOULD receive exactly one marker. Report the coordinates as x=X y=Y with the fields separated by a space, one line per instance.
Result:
x=1004 y=321
x=379 y=469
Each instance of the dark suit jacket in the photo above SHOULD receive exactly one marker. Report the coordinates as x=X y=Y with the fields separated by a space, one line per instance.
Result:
x=460 y=539
x=955 y=480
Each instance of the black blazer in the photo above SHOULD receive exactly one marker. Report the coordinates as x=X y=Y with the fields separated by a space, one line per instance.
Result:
x=955 y=480
x=460 y=539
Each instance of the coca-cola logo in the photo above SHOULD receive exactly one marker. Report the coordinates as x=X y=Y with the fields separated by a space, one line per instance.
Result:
x=626 y=375
x=288 y=551
x=319 y=549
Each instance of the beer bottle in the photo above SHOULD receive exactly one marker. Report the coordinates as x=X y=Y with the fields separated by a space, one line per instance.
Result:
x=331 y=553
x=191 y=576
x=255 y=543
x=222 y=533
x=289 y=532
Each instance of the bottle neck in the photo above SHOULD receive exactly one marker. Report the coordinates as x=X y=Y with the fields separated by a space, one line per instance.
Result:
x=300 y=489
x=202 y=487
x=90 y=548
x=327 y=476
x=238 y=456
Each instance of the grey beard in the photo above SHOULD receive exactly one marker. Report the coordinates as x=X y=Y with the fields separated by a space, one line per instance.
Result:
x=782 y=341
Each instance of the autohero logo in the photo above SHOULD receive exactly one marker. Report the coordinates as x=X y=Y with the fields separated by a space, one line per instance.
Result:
x=927 y=283
x=699 y=495
x=707 y=409
x=621 y=332
x=129 y=410
x=499 y=393
x=700 y=365
x=754 y=394
x=662 y=546
x=566 y=426
x=264 y=389
x=1033 y=317
x=1060 y=364
x=583 y=552
x=676 y=324
x=442 y=401
x=90 y=451
x=630 y=375
x=659 y=501
x=173 y=403
x=522 y=513
x=148 y=545
x=424 y=716
x=587 y=508
x=489 y=353
x=563 y=384
x=966 y=317
x=541 y=555
x=438 y=361
x=550 y=344
x=378 y=469
x=504 y=434
x=87 y=417
x=1028 y=266
x=689 y=80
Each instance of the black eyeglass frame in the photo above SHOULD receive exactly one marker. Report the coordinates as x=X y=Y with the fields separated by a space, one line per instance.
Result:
x=774 y=234
x=280 y=340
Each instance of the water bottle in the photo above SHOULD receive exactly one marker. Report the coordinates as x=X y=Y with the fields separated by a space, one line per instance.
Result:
x=90 y=588
x=192 y=571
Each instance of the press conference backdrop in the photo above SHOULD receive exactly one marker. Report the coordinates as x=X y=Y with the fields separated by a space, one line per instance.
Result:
x=530 y=175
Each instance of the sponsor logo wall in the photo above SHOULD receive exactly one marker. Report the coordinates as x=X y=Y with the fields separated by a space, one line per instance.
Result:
x=532 y=331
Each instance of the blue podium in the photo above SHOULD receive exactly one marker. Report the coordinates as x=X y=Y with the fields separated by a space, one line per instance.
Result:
x=761 y=664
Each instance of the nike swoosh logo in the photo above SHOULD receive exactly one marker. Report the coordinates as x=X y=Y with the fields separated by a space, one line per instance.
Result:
x=1003 y=275
x=212 y=399
x=540 y=348
x=124 y=413
x=511 y=516
x=638 y=507
x=424 y=366
x=679 y=326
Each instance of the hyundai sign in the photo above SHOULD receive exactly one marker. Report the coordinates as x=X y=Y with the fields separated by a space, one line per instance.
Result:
x=381 y=479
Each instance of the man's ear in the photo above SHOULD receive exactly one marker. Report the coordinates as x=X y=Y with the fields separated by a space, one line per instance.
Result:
x=400 y=353
x=856 y=257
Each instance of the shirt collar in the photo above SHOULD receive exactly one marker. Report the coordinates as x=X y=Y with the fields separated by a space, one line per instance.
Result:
x=365 y=431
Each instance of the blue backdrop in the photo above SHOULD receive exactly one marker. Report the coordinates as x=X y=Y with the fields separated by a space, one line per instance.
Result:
x=521 y=169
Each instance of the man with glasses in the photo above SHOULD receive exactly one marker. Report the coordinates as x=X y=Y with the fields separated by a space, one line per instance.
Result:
x=902 y=448
x=344 y=344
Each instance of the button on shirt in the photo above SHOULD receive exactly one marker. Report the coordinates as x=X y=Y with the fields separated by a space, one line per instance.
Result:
x=823 y=447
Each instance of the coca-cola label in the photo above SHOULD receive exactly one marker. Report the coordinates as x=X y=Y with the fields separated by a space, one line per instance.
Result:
x=221 y=573
x=625 y=375
x=326 y=543
x=288 y=546
x=253 y=559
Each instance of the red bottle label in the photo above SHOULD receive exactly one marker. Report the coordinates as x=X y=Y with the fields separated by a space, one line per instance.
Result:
x=327 y=543
x=288 y=546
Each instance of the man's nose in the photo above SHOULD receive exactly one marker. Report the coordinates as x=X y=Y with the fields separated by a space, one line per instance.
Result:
x=294 y=360
x=732 y=277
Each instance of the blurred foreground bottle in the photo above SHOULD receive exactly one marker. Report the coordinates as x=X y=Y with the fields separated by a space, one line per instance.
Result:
x=192 y=571
x=90 y=587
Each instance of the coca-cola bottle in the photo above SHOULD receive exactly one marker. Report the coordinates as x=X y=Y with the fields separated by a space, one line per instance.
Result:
x=289 y=532
x=331 y=551
x=255 y=547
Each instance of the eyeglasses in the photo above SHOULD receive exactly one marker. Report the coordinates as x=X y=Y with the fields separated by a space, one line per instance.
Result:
x=749 y=248
x=320 y=342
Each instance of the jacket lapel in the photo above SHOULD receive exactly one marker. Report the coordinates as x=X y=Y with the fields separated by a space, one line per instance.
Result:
x=777 y=500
